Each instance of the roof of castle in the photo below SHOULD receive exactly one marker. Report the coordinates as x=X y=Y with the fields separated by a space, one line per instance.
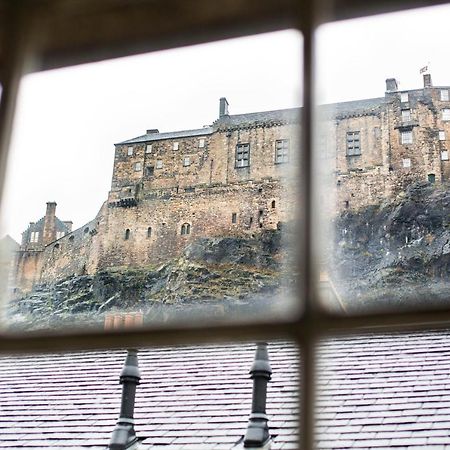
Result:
x=39 y=225
x=266 y=118
x=374 y=391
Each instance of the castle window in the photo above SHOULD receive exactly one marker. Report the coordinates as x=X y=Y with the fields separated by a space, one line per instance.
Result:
x=159 y=164
x=86 y=230
x=176 y=145
x=149 y=232
x=444 y=95
x=130 y=151
x=34 y=237
x=60 y=234
x=243 y=155
x=56 y=246
x=446 y=114
x=444 y=155
x=149 y=171
x=282 y=151
x=127 y=234
x=407 y=137
x=201 y=142
x=273 y=203
x=185 y=228
x=353 y=143
x=186 y=161
x=431 y=178
x=406 y=115
x=441 y=135
x=148 y=148
x=403 y=97
x=406 y=163
x=233 y=218
x=71 y=239
x=137 y=167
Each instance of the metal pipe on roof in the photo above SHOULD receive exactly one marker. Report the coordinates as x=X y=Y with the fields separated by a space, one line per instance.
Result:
x=124 y=435
x=257 y=435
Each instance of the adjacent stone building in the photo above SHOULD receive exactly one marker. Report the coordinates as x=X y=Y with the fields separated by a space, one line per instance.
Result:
x=237 y=178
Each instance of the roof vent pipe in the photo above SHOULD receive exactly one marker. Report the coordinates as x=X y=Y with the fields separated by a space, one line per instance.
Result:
x=124 y=435
x=257 y=434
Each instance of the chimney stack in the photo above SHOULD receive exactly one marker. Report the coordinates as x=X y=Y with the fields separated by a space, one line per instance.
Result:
x=153 y=131
x=427 y=80
x=49 y=232
x=223 y=107
x=391 y=85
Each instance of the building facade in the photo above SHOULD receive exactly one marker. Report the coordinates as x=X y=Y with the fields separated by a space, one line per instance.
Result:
x=237 y=178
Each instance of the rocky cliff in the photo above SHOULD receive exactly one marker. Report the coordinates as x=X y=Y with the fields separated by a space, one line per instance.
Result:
x=396 y=254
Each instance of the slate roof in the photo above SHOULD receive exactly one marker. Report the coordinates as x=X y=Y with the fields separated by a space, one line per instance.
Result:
x=374 y=391
x=150 y=137
x=290 y=115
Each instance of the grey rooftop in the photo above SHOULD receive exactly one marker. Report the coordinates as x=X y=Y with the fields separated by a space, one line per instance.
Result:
x=374 y=391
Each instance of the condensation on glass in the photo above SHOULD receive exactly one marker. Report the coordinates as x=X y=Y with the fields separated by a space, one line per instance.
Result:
x=381 y=156
x=191 y=224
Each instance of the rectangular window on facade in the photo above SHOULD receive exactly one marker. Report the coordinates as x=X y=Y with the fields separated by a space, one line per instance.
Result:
x=403 y=97
x=130 y=151
x=176 y=145
x=201 y=142
x=406 y=115
x=444 y=95
x=282 y=151
x=233 y=217
x=446 y=114
x=243 y=155
x=186 y=161
x=149 y=171
x=444 y=155
x=406 y=163
x=34 y=237
x=441 y=135
x=148 y=148
x=353 y=143
x=137 y=167
x=407 y=137
x=159 y=164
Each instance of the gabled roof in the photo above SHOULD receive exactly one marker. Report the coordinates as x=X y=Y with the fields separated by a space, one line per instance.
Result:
x=374 y=391
x=39 y=225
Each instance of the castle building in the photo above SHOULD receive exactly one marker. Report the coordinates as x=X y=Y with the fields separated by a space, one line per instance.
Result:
x=237 y=178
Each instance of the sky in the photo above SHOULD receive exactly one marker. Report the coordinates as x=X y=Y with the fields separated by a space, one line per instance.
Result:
x=68 y=120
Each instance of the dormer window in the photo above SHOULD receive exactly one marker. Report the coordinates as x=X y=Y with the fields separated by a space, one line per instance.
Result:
x=403 y=97
x=34 y=237
x=130 y=151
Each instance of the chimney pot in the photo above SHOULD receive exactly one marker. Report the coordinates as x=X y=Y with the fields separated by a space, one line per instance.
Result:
x=153 y=131
x=391 y=85
x=223 y=107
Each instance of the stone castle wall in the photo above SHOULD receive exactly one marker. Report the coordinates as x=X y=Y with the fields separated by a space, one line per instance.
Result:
x=163 y=183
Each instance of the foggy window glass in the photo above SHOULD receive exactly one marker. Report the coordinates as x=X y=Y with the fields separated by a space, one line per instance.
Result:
x=159 y=147
x=384 y=241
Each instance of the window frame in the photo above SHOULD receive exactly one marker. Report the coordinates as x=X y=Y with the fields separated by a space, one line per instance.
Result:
x=351 y=149
x=282 y=151
x=406 y=137
x=242 y=154
x=208 y=22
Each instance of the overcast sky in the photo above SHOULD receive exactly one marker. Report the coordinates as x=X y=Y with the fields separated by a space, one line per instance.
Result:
x=67 y=120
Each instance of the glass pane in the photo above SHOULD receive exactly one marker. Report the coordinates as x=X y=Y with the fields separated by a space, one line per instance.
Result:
x=78 y=238
x=200 y=397
x=384 y=200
